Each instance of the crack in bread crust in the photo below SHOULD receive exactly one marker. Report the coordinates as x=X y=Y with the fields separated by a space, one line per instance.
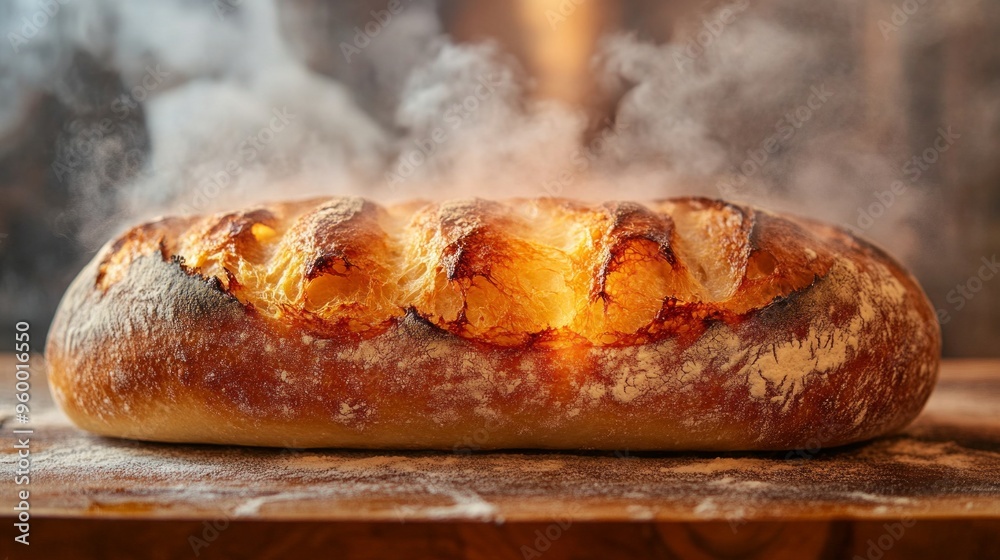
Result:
x=544 y=271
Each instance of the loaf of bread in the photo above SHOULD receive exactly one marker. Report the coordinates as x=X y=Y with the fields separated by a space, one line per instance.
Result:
x=683 y=324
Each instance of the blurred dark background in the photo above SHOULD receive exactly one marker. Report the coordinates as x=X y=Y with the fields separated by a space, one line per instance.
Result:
x=75 y=132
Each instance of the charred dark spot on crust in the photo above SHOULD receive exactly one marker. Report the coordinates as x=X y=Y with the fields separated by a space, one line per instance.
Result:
x=155 y=235
x=420 y=328
x=456 y=327
x=676 y=317
x=631 y=221
x=416 y=316
x=461 y=322
x=471 y=246
x=232 y=284
x=337 y=234
x=549 y=336
x=181 y=291
x=332 y=262
x=216 y=283
x=164 y=252
x=469 y=256
x=213 y=282
x=754 y=238
x=412 y=315
x=236 y=225
x=776 y=312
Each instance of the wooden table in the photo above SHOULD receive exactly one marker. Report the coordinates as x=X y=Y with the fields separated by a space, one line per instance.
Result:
x=934 y=487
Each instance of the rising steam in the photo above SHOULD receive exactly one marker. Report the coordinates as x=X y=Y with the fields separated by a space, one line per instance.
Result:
x=233 y=112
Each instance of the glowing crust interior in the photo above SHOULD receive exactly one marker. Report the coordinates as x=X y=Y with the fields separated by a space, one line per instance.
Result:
x=549 y=271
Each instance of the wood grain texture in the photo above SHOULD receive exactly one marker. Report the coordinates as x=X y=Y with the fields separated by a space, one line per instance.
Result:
x=132 y=539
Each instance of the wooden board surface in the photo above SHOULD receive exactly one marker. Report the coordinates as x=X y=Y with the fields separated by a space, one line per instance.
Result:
x=946 y=465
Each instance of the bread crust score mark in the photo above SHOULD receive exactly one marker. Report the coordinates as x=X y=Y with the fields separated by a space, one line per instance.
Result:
x=680 y=324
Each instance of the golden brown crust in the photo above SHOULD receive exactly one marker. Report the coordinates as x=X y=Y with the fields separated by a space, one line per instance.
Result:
x=681 y=324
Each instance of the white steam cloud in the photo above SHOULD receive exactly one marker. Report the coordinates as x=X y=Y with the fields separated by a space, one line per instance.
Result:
x=763 y=108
